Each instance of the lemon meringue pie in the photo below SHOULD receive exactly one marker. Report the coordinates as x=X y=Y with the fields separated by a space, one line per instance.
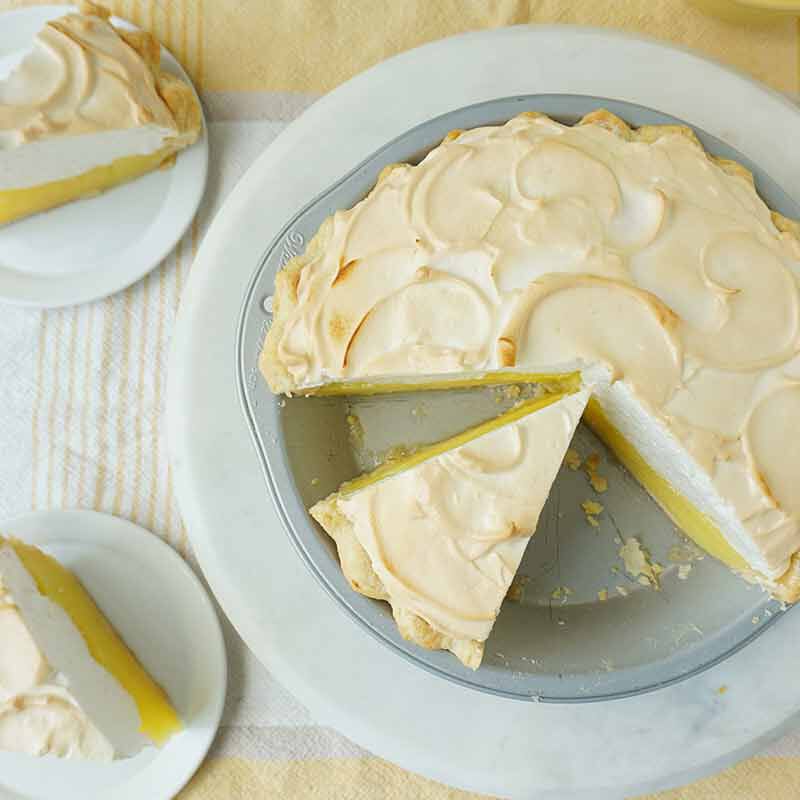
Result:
x=513 y=248
x=69 y=686
x=440 y=534
x=87 y=109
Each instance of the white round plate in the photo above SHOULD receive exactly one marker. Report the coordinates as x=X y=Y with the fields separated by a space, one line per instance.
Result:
x=92 y=248
x=161 y=609
x=346 y=678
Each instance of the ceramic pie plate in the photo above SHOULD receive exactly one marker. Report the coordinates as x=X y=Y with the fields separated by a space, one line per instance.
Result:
x=92 y=248
x=346 y=678
x=583 y=628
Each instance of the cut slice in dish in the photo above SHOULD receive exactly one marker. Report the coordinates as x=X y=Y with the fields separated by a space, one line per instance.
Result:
x=440 y=534
x=512 y=248
x=87 y=109
x=69 y=685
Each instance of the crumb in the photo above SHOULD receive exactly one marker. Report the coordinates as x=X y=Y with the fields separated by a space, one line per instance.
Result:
x=623 y=592
x=517 y=588
x=637 y=562
x=683 y=571
x=754 y=620
x=722 y=690
x=561 y=593
x=598 y=482
x=592 y=462
x=592 y=507
x=592 y=520
x=615 y=570
x=561 y=622
x=397 y=452
x=602 y=595
x=573 y=459
x=314 y=481
x=683 y=554
x=508 y=392
x=356 y=430
x=617 y=540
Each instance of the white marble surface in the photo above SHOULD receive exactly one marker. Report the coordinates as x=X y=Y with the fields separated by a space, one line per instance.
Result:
x=344 y=677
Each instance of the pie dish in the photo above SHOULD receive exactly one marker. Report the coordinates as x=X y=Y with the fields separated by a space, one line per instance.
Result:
x=548 y=244
x=69 y=685
x=88 y=109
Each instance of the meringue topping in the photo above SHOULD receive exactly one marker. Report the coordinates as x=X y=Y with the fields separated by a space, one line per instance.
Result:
x=534 y=243
x=81 y=98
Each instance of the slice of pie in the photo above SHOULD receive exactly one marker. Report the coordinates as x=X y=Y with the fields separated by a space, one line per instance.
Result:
x=87 y=109
x=512 y=248
x=69 y=685
x=440 y=534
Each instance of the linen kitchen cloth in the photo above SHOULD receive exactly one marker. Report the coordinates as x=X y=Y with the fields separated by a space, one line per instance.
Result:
x=81 y=400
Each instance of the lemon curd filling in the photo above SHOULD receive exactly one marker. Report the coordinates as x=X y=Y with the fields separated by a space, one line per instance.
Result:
x=159 y=720
x=694 y=524
x=567 y=382
x=18 y=203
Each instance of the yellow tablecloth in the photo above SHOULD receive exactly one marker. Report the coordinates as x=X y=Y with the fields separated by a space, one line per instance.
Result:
x=82 y=408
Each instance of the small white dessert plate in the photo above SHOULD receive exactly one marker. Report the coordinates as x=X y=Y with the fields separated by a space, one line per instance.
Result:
x=92 y=248
x=163 y=612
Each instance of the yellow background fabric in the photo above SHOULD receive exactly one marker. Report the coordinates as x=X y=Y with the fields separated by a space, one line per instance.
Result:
x=91 y=381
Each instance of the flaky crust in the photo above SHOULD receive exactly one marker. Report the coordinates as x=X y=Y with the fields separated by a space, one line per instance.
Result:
x=358 y=570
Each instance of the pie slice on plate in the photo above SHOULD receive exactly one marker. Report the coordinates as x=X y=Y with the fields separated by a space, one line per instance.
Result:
x=69 y=685
x=87 y=109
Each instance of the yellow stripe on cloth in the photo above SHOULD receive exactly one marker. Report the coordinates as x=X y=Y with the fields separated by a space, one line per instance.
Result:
x=756 y=779
x=314 y=779
x=361 y=778
x=312 y=46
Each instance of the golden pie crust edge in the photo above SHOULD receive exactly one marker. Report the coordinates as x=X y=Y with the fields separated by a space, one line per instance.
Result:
x=357 y=568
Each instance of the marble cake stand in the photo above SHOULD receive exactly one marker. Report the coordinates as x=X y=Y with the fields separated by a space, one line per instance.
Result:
x=347 y=679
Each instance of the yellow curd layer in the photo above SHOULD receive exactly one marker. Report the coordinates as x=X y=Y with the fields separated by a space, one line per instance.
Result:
x=18 y=203
x=159 y=719
x=694 y=524
x=565 y=383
